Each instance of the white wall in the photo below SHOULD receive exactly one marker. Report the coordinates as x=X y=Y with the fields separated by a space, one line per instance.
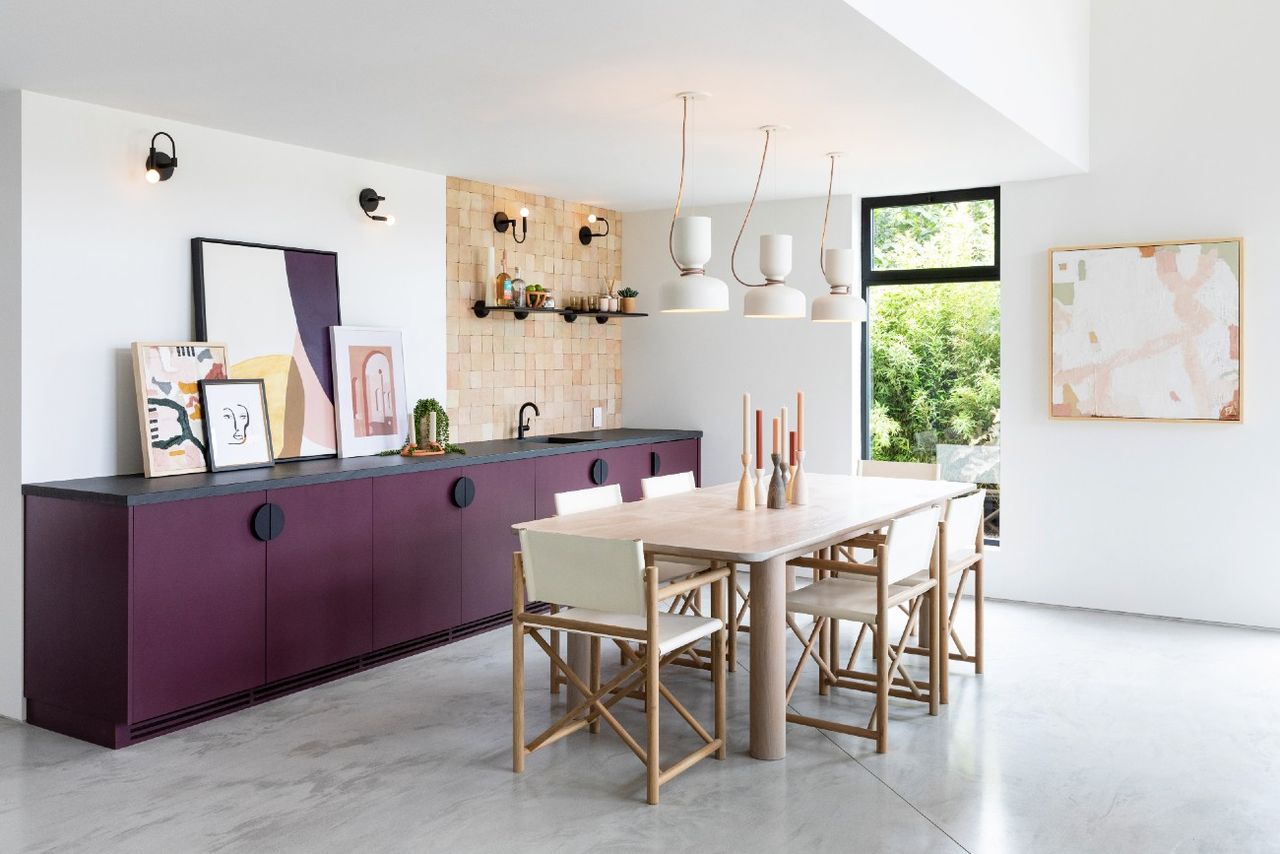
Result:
x=106 y=261
x=690 y=370
x=1029 y=60
x=10 y=415
x=1169 y=519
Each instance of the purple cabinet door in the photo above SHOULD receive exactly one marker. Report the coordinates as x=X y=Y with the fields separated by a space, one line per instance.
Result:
x=560 y=473
x=678 y=456
x=417 y=556
x=627 y=467
x=320 y=577
x=198 y=603
x=503 y=496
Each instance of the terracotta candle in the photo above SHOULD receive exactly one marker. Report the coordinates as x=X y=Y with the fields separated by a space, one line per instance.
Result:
x=777 y=440
x=792 y=452
x=799 y=421
x=746 y=424
x=759 y=438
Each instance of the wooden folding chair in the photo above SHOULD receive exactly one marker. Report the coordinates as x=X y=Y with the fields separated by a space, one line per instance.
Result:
x=608 y=593
x=909 y=545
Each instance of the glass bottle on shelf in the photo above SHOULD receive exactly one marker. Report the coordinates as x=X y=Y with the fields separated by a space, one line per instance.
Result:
x=517 y=290
x=502 y=284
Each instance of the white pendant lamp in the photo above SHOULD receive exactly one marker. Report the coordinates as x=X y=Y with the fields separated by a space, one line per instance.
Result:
x=689 y=243
x=841 y=305
x=774 y=298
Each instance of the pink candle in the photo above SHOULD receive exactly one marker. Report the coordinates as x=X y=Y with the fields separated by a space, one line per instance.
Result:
x=799 y=421
x=759 y=438
x=746 y=424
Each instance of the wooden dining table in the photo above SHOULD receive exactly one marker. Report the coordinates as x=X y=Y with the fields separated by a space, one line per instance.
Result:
x=706 y=523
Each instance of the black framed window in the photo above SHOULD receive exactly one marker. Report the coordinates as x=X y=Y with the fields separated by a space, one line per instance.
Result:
x=931 y=346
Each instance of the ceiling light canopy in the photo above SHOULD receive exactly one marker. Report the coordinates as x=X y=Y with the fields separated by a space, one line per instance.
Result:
x=689 y=242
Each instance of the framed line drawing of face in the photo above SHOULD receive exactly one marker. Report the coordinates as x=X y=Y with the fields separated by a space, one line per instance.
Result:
x=237 y=427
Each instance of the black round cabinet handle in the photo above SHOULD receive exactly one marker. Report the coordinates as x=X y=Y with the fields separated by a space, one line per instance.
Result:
x=655 y=463
x=268 y=522
x=599 y=472
x=464 y=492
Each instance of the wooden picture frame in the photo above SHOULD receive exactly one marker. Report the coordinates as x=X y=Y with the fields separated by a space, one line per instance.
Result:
x=1188 y=302
x=237 y=426
x=166 y=376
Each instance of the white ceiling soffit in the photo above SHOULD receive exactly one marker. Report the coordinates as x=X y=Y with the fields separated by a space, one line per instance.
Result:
x=566 y=99
x=1029 y=59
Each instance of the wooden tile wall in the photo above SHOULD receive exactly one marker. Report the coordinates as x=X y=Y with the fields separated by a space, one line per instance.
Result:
x=497 y=362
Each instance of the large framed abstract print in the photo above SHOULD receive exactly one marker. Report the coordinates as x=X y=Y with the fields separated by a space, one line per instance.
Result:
x=167 y=377
x=1147 y=331
x=273 y=306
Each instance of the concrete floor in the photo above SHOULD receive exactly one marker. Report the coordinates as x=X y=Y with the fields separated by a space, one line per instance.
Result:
x=1090 y=732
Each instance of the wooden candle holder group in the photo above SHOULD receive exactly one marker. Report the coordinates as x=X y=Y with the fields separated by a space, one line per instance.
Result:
x=787 y=483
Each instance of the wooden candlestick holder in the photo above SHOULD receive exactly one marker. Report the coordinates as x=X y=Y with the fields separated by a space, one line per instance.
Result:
x=799 y=485
x=777 y=488
x=746 y=496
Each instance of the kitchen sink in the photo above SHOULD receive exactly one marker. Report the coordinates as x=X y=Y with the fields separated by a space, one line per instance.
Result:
x=556 y=440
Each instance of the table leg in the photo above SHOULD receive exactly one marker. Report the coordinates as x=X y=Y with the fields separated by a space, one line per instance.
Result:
x=579 y=660
x=769 y=659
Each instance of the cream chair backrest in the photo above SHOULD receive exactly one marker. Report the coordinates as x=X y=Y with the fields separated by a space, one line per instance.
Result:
x=886 y=468
x=909 y=543
x=964 y=519
x=592 y=498
x=584 y=572
x=668 y=484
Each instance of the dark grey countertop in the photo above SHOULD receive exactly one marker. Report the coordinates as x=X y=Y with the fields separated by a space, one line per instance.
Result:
x=133 y=489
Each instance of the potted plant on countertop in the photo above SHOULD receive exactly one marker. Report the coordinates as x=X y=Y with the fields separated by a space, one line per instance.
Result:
x=628 y=297
x=422 y=446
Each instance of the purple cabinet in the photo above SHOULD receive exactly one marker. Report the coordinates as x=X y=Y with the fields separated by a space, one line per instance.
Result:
x=417 y=556
x=504 y=495
x=678 y=456
x=627 y=467
x=319 y=588
x=199 y=614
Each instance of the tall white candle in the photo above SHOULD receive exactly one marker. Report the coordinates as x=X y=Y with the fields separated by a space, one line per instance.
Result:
x=746 y=424
x=431 y=426
x=490 y=273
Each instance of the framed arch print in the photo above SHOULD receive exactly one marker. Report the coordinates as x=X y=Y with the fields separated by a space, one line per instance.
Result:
x=369 y=384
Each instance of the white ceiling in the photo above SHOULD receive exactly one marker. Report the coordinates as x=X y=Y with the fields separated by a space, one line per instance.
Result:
x=573 y=100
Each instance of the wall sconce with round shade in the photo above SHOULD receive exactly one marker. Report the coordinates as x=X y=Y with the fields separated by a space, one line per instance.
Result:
x=160 y=166
x=774 y=298
x=841 y=305
x=585 y=233
x=689 y=242
x=502 y=222
x=369 y=201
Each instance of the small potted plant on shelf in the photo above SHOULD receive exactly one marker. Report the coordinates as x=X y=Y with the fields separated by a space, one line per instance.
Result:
x=628 y=297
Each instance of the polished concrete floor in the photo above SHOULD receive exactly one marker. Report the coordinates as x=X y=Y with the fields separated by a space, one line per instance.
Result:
x=1089 y=732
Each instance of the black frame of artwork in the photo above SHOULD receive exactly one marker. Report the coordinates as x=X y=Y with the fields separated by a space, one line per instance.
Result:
x=201 y=319
x=208 y=425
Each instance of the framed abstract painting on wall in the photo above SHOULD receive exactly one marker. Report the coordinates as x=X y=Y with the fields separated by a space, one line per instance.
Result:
x=273 y=306
x=1147 y=331
x=166 y=378
x=368 y=372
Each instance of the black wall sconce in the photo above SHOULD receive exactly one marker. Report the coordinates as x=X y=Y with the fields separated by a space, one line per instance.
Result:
x=160 y=166
x=369 y=201
x=585 y=233
x=501 y=222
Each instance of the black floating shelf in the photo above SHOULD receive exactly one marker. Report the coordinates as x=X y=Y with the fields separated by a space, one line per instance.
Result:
x=481 y=309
